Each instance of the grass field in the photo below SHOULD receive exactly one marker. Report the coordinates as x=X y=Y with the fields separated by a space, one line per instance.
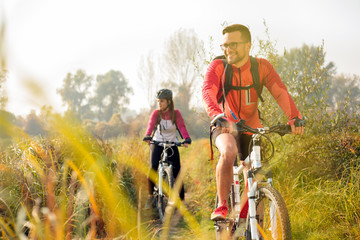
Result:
x=73 y=186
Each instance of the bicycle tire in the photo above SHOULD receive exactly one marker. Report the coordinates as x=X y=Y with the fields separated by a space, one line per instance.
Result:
x=222 y=230
x=162 y=202
x=278 y=220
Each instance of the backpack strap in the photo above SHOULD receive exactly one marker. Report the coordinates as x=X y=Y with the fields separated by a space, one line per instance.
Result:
x=156 y=125
x=229 y=75
x=255 y=75
x=158 y=122
x=228 y=78
x=179 y=131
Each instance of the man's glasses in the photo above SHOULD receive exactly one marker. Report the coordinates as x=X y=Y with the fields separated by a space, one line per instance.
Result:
x=232 y=45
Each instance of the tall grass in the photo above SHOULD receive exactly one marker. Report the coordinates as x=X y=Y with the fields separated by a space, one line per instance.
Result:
x=73 y=186
x=319 y=178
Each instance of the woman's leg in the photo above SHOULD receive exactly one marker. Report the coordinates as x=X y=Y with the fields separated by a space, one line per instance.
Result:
x=175 y=159
x=155 y=155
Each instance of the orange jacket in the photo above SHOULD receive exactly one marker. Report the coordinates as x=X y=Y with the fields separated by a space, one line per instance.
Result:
x=247 y=109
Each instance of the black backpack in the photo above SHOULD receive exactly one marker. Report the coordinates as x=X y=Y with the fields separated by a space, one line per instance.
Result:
x=229 y=74
x=228 y=85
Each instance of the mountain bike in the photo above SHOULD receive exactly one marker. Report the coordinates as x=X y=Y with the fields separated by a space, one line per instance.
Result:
x=166 y=177
x=267 y=216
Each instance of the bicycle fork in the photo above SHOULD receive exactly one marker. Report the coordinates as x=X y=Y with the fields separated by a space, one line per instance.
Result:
x=161 y=172
x=252 y=206
x=252 y=195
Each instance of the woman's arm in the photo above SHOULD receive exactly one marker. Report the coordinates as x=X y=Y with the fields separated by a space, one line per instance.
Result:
x=152 y=122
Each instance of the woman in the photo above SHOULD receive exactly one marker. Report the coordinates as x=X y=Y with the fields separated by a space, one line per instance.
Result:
x=165 y=121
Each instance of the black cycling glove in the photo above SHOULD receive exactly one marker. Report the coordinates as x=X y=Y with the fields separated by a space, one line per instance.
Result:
x=188 y=141
x=147 y=138
x=297 y=122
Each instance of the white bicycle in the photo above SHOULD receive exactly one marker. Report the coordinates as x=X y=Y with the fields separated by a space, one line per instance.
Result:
x=267 y=216
x=166 y=177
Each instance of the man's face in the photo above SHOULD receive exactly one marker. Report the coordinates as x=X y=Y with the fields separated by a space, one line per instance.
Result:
x=236 y=50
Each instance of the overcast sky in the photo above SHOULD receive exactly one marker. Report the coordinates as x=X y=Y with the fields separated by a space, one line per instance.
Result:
x=46 y=39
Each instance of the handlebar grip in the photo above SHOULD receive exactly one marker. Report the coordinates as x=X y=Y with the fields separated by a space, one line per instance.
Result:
x=284 y=129
x=221 y=115
x=166 y=142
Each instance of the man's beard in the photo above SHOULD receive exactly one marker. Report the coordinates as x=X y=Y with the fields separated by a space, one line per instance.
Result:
x=235 y=60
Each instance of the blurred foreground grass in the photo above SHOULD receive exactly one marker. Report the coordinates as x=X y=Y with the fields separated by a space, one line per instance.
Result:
x=73 y=186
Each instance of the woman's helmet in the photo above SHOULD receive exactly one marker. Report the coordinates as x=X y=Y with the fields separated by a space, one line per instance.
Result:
x=164 y=94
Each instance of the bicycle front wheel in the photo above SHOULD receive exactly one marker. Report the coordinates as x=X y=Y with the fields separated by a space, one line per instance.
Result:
x=272 y=215
x=168 y=178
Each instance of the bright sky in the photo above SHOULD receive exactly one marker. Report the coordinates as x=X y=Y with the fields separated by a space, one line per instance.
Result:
x=46 y=39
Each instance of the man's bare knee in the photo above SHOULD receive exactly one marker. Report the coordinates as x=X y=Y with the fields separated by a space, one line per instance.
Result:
x=228 y=155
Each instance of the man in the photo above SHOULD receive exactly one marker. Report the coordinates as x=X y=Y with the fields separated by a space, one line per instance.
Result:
x=239 y=104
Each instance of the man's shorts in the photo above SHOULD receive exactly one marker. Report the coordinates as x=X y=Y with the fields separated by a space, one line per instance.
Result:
x=242 y=141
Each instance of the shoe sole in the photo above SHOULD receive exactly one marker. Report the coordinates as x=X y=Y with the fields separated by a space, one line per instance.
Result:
x=217 y=218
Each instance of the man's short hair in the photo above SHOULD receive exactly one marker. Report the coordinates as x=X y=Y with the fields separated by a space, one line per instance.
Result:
x=245 y=32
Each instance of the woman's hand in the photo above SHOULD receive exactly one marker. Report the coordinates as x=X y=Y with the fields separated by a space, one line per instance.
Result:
x=187 y=142
x=147 y=139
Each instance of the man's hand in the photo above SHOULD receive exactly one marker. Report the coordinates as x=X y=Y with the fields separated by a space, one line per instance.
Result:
x=297 y=126
x=223 y=124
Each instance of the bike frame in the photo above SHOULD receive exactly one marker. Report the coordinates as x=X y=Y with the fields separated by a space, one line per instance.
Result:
x=253 y=162
x=162 y=165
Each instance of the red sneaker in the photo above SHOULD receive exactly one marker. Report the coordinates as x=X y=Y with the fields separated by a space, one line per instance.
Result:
x=220 y=213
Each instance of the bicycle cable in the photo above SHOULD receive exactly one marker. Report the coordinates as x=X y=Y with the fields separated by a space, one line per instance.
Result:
x=284 y=152
x=169 y=155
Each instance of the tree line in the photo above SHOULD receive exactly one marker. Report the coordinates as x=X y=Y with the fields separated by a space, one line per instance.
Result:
x=101 y=102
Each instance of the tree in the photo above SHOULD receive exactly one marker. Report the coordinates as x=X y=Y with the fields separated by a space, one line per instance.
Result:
x=3 y=63
x=75 y=93
x=147 y=77
x=305 y=72
x=7 y=119
x=3 y=97
x=344 y=102
x=342 y=88
x=111 y=94
x=33 y=125
x=307 y=77
x=184 y=52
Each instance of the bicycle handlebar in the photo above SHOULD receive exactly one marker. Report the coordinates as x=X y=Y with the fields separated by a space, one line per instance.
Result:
x=281 y=129
x=167 y=142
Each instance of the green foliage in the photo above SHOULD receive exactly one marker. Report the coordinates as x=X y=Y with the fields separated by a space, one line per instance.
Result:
x=75 y=93
x=111 y=94
x=6 y=119
x=33 y=125
x=3 y=97
x=93 y=187
x=319 y=179
x=179 y=68
x=71 y=185
x=329 y=102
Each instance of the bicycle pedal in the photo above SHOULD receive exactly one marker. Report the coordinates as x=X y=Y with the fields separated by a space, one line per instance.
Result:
x=225 y=221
